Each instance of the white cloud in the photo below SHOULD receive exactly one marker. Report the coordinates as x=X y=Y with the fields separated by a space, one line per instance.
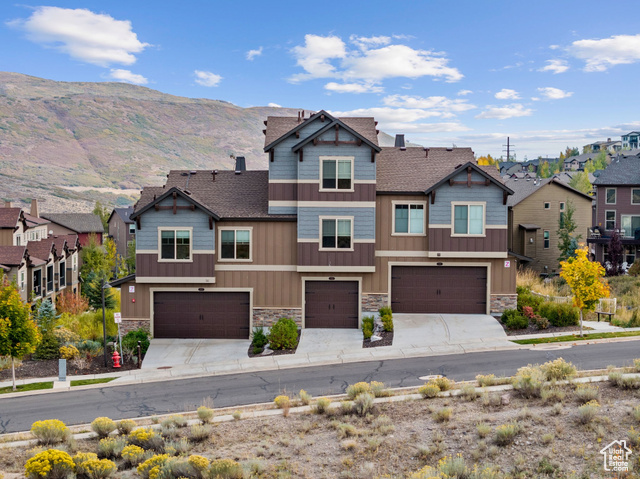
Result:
x=90 y=37
x=444 y=106
x=367 y=87
x=507 y=94
x=426 y=127
x=600 y=55
x=372 y=62
x=251 y=54
x=502 y=113
x=551 y=93
x=364 y=43
x=464 y=92
x=554 y=47
x=207 y=78
x=386 y=114
x=274 y=105
x=128 y=77
x=555 y=66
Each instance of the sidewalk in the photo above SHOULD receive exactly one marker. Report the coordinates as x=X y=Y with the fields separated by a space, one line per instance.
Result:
x=268 y=363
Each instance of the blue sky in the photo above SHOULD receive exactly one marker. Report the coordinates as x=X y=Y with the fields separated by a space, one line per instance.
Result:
x=470 y=73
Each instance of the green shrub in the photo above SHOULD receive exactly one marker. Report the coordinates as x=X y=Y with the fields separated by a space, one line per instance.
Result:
x=635 y=268
x=387 y=323
x=363 y=403
x=103 y=426
x=429 y=390
x=146 y=468
x=259 y=339
x=506 y=433
x=358 y=388
x=205 y=414
x=587 y=412
x=367 y=326
x=443 y=414
x=199 y=433
x=585 y=393
x=49 y=464
x=379 y=390
x=486 y=379
x=283 y=334
x=444 y=383
x=146 y=438
x=90 y=347
x=528 y=381
x=97 y=469
x=48 y=348
x=132 y=455
x=225 y=469
x=322 y=405
x=130 y=340
x=111 y=447
x=526 y=298
x=305 y=397
x=125 y=426
x=560 y=314
x=50 y=431
x=512 y=319
x=558 y=369
x=385 y=311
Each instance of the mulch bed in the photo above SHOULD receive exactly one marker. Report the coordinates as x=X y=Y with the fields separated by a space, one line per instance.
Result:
x=49 y=367
x=532 y=329
x=276 y=352
x=387 y=340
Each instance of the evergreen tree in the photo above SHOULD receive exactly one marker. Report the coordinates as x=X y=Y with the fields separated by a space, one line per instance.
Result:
x=580 y=182
x=46 y=316
x=103 y=213
x=92 y=289
x=567 y=242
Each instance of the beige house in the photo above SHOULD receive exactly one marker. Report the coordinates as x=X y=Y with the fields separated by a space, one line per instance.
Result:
x=535 y=209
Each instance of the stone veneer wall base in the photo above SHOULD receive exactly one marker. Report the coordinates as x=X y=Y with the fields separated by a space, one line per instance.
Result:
x=372 y=302
x=268 y=316
x=502 y=302
x=132 y=324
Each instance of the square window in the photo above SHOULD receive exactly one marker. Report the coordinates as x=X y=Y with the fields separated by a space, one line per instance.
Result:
x=336 y=233
x=547 y=206
x=468 y=219
x=409 y=219
x=610 y=198
x=336 y=174
x=175 y=245
x=610 y=220
x=547 y=239
x=235 y=244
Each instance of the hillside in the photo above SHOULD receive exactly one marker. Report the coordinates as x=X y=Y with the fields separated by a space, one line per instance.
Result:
x=70 y=143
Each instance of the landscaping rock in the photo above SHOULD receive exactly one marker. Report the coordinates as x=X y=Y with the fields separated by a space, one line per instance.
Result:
x=505 y=399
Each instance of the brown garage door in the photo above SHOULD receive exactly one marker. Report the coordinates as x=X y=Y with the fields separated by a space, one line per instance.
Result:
x=331 y=304
x=439 y=289
x=223 y=315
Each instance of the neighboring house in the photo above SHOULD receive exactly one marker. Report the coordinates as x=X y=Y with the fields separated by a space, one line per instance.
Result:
x=534 y=211
x=531 y=165
x=122 y=229
x=14 y=263
x=618 y=208
x=520 y=176
x=37 y=228
x=608 y=146
x=81 y=224
x=509 y=167
x=12 y=226
x=631 y=140
x=578 y=162
x=68 y=251
x=337 y=227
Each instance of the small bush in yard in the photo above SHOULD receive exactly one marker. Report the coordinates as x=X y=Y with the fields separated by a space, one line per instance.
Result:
x=486 y=379
x=387 y=323
x=225 y=469
x=177 y=448
x=130 y=340
x=50 y=431
x=259 y=339
x=146 y=438
x=483 y=429
x=528 y=381
x=468 y=392
x=205 y=414
x=48 y=348
x=199 y=463
x=175 y=420
x=379 y=390
x=367 y=327
x=443 y=414
x=354 y=390
x=283 y=334
x=103 y=426
x=49 y=464
x=512 y=319
x=305 y=397
x=506 y=433
x=444 y=383
x=321 y=406
x=429 y=390
x=282 y=402
x=199 y=433
x=587 y=412
x=525 y=298
x=550 y=394
x=151 y=467
x=560 y=314
x=615 y=378
x=385 y=311
x=97 y=469
x=132 y=455
x=363 y=404
x=558 y=370
x=69 y=352
x=111 y=447
x=126 y=426
x=585 y=393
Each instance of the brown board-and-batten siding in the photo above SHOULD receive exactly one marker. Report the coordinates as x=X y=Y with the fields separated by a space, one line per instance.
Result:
x=494 y=240
x=311 y=192
x=362 y=255
x=201 y=266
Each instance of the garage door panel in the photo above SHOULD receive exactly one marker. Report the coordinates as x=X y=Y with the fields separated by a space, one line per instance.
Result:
x=439 y=289
x=331 y=304
x=223 y=315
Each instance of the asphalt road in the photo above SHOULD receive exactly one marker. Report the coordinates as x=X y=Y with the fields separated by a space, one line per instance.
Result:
x=148 y=399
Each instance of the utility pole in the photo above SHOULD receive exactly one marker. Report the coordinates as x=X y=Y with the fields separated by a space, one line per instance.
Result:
x=508 y=150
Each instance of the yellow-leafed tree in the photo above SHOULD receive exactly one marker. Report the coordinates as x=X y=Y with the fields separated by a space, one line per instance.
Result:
x=586 y=280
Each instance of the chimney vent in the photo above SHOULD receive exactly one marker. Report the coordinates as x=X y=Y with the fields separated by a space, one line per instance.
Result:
x=7 y=204
x=241 y=165
x=34 y=208
x=399 y=141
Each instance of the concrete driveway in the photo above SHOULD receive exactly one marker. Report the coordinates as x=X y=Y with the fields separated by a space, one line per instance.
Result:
x=176 y=352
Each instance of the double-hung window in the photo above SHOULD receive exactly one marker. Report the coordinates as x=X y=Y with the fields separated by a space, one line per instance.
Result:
x=610 y=196
x=132 y=228
x=62 y=281
x=547 y=239
x=49 y=279
x=337 y=233
x=468 y=219
x=337 y=173
x=408 y=218
x=235 y=244
x=175 y=244
x=635 y=196
x=610 y=220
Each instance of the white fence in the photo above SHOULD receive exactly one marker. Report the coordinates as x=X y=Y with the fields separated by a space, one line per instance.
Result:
x=605 y=305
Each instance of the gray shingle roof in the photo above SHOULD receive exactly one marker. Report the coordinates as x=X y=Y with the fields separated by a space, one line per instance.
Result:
x=522 y=189
x=412 y=170
x=124 y=213
x=78 y=222
x=624 y=170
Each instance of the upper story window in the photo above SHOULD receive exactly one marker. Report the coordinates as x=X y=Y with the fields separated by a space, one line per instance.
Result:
x=635 y=196
x=408 y=218
x=18 y=240
x=75 y=262
x=132 y=228
x=175 y=244
x=547 y=205
x=337 y=173
x=63 y=274
x=49 y=279
x=562 y=206
x=610 y=197
x=37 y=283
x=337 y=233
x=22 y=281
x=235 y=244
x=610 y=220
x=468 y=219
x=547 y=239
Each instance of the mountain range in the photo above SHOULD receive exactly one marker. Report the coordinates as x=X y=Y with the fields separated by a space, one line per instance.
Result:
x=69 y=144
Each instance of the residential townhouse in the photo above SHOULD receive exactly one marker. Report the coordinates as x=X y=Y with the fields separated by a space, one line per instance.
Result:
x=336 y=227
x=631 y=140
x=618 y=208
x=122 y=229
x=82 y=224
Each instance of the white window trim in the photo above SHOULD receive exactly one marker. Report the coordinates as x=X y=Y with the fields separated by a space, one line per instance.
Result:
x=321 y=218
x=351 y=159
x=131 y=225
x=235 y=228
x=543 y=239
x=562 y=206
x=53 y=285
x=174 y=229
x=484 y=219
x=630 y=232
x=394 y=203
x=22 y=281
x=64 y=265
x=615 y=222
x=33 y=281
x=547 y=205
x=632 y=196
x=605 y=196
